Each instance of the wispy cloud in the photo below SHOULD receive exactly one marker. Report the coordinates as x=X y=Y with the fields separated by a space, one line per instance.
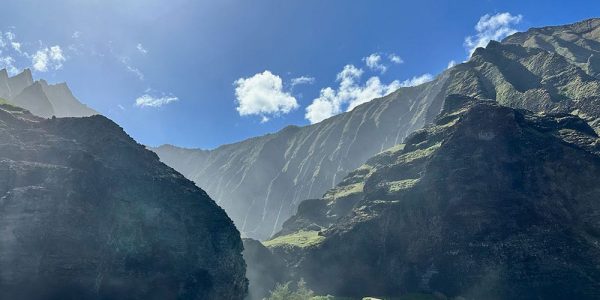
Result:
x=263 y=95
x=16 y=55
x=395 y=58
x=302 y=80
x=373 y=62
x=451 y=64
x=8 y=63
x=148 y=100
x=417 y=80
x=16 y=46
x=127 y=63
x=48 y=58
x=491 y=27
x=10 y=35
x=141 y=48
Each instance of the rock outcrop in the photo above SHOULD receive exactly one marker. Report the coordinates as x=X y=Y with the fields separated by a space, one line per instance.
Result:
x=261 y=181
x=264 y=270
x=488 y=202
x=88 y=213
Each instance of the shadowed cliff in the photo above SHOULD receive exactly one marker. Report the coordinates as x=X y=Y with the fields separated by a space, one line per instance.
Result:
x=488 y=202
x=88 y=213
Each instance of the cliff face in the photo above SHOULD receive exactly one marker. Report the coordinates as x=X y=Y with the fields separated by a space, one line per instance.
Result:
x=87 y=213
x=40 y=98
x=486 y=203
x=261 y=181
x=263 y=269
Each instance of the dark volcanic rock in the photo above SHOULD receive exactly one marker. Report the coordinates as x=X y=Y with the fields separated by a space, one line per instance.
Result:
x=261 y=181
x=487 y=203
x=40 y=98
x=87 y=213
x=263 y=269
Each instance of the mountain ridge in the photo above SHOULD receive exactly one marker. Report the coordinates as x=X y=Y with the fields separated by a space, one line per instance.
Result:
x=88 y=213
x=504 y=198
x=260 y=181
x=40 y=98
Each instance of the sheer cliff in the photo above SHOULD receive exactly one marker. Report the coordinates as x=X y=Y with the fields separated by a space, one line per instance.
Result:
x=488 y=202
x=261 y=181
x=88 y=213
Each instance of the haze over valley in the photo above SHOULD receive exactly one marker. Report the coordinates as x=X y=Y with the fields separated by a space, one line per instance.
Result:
x=304 y=151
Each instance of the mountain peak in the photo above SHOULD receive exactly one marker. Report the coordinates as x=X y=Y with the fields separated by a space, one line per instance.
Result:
x=3 y=74
x=25 y=75
x=127 y=227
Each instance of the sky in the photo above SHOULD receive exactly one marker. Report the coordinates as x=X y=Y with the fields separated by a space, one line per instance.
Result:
x=200 y=74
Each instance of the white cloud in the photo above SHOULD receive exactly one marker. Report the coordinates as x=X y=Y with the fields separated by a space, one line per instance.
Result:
x=17 y=54
x=490 y=27
x=451 y=64
x=349 y=94
x=141 y=48
x=7 y=62
x=372 y=89
x=417 y=80
x=121 y=107
x=395 y=58
x=127 y=63
x=148 y=100
x=10 y=40
x=302 y=80
x=48 y=58
x=323 y=107
x=56 y=54
x=9 y=35
x=76 y=34
x=373 y=62
x=262 y=95
x=16 y=46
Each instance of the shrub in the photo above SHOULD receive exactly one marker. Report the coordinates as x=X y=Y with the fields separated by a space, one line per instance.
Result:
x=284 y=292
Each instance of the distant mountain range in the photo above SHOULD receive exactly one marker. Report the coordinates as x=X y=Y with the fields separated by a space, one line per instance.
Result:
x=261 y=181
x=40 y=98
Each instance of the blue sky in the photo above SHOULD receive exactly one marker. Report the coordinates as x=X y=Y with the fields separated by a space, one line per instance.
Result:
x=207 y=73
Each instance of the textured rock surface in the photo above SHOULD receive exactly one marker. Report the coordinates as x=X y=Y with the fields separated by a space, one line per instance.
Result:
x=40 y=98
x=261 y=181
x=263 y=269
x=87 y=213
x=486 y=203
